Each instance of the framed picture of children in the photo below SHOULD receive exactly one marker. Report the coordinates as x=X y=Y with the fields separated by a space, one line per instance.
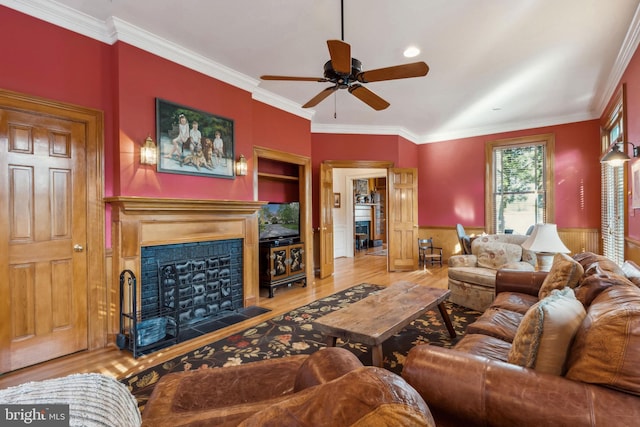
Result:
x=193 y=142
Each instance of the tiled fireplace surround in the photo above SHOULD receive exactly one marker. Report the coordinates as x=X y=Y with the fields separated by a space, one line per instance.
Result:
x=139 y=221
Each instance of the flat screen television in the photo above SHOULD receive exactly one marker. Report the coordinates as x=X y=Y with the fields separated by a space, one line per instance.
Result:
x=279 y=220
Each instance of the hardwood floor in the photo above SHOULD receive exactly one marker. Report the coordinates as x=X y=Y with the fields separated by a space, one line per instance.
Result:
x=362 y=268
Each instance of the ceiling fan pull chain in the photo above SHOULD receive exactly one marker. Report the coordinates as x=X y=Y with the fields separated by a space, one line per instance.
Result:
x=335 y=105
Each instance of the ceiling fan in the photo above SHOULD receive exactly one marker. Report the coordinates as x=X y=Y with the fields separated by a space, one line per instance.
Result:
x=345 y=72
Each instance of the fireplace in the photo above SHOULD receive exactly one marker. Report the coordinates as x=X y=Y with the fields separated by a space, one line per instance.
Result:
x=143 y=224
x=201 y=281
x=186 y=290
x=364 y=227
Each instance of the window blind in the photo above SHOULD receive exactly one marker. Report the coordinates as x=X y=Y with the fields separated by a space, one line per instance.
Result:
x=520 y=193
x=612 y=218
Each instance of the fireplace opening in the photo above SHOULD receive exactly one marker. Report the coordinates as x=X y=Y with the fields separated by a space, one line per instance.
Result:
x=189 y=289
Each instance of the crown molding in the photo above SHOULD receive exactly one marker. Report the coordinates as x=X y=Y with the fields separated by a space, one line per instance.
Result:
x=63 y=16
x=450 y=135
x=150 y=42
x=626 y=52
x=365 y=130
x=115 y=29
x=508 y=127
x=282 y=103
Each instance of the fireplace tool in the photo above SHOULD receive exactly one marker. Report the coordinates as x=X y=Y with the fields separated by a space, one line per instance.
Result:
x=122 y=340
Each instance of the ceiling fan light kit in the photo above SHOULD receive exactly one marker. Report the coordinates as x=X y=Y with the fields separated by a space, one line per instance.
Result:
x=345 y=72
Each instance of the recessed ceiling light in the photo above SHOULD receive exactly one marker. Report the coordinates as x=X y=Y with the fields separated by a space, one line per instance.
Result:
x=411 y=51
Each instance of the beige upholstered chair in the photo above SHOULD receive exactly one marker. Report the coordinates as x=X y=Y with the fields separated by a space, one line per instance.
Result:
x=472 y=277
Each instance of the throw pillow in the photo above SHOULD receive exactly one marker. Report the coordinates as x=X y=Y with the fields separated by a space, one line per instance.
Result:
x=632 y=272
x=495 y=254
x=605 y=349
x=544 y=336
x=591 y=286
x=597 y=264
x=565 y=271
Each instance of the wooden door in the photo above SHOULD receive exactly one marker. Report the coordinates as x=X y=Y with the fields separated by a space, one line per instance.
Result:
x=402 y=209
x=326 y=220
x=44 y=233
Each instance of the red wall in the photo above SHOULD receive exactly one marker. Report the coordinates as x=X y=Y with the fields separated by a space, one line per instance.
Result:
x=47 y=61
x=137 y=92
x=452 y=177
x=407 y=154
x=631 y=78
x=353 y=147
x=451 y=173
x=281 y=131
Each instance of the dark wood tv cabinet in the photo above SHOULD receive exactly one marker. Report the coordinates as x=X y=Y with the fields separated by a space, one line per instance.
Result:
x=282 y=264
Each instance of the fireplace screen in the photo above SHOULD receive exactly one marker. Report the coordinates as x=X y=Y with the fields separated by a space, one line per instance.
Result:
x=195 y=284
x=197 y=288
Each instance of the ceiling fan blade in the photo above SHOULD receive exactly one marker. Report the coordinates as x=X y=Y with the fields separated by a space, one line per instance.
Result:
x=415 y=69
x=368 y=97
x=319 y=97
x=298 y=79
x=340 y=53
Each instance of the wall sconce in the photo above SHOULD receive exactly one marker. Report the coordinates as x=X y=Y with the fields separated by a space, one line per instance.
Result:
x=241 y=166
x=615 y=157
x=148 y=152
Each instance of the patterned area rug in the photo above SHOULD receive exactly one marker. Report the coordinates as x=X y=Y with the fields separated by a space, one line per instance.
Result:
x=292 y=333
x=381 y=252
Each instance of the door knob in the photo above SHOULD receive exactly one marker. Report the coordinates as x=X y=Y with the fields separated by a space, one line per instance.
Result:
x=78 y=248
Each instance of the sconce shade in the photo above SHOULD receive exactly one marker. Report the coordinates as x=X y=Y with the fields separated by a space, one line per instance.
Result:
x=615 y=157
x=241 y=166
x=148 y=152
x=545 y=242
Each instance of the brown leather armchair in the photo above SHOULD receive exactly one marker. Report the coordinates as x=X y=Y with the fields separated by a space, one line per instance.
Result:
x=329 y=387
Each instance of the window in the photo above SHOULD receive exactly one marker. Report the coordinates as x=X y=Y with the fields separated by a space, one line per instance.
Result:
x=613 y=183
x=519 y=183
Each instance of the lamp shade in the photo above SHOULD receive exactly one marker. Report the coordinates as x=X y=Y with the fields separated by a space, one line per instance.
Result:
x=615 y=157
x=148 y=152
x=241 y=166
x=545 y=239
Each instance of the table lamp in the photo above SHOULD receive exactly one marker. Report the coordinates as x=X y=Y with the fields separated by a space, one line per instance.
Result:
x=545 y=242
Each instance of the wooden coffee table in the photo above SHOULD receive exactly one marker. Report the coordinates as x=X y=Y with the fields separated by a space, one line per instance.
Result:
x=377 y=317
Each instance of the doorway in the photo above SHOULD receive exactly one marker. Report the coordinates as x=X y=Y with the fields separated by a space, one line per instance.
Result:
x=353 y=209
x=402 y=214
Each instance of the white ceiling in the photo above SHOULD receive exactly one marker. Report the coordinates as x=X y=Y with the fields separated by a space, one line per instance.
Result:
x=495 y=65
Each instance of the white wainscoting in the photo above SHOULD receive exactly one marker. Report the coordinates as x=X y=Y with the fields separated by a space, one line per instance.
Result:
x=340 y=241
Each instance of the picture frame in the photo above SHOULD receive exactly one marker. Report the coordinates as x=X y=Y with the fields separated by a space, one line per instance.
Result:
x=194 y=142
x=361 y=187
x=635 y=182
x=336 y=200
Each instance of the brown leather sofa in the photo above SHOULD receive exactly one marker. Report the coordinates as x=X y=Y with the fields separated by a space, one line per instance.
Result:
x=328 y=388
x=477 y=384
